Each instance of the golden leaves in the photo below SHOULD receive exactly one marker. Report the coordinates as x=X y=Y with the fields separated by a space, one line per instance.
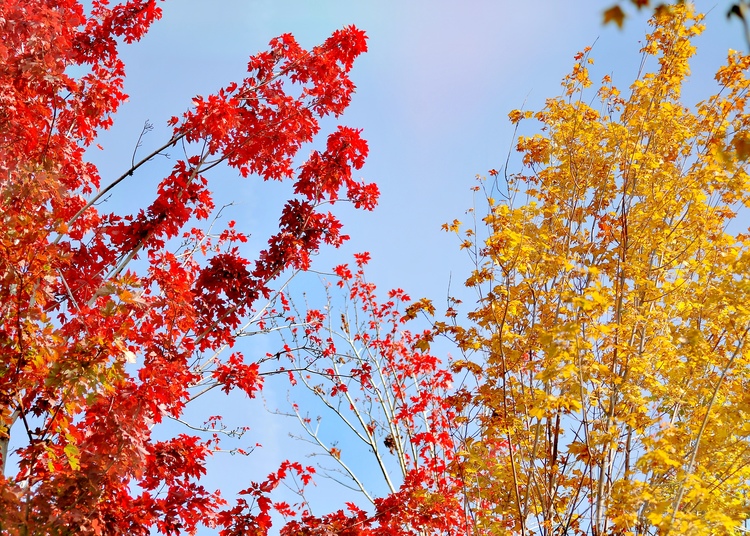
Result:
x=612 y=305
x=515 y=116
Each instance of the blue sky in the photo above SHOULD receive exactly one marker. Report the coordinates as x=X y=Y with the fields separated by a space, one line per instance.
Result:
x=433 y=94
x=432 y=98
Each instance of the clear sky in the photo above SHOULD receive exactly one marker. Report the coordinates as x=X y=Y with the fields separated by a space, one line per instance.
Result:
x=433 y=94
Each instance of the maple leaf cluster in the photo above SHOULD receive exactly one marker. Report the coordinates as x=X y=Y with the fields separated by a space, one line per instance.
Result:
x=384 y=386
x=85 y=292
x=604 y=368
x=609 y=344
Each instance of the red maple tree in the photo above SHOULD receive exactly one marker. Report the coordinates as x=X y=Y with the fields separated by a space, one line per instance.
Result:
x=392 y=397
x=75 y=307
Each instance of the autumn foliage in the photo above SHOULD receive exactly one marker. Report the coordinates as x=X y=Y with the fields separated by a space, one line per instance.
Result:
x=84 y=292
x=390 y=395
x=610 y=344
x=600 y=384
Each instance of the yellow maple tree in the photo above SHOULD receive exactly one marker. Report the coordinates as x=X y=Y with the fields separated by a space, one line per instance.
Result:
x=609 y=343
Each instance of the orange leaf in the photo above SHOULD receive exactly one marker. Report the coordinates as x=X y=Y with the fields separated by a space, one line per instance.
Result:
x=614 y=14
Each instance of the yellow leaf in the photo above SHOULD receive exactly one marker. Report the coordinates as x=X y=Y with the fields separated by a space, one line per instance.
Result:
x=73 y=455
x=537 y=412
x=579 y=450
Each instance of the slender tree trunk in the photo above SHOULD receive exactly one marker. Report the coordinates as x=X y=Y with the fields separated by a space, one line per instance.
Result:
x=5 y=440
x=5 y=431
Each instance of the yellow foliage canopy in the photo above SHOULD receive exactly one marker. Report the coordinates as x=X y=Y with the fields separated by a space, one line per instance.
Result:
x=615 y=309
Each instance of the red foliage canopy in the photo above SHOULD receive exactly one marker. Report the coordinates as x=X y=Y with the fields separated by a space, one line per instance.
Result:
x=74 y=310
